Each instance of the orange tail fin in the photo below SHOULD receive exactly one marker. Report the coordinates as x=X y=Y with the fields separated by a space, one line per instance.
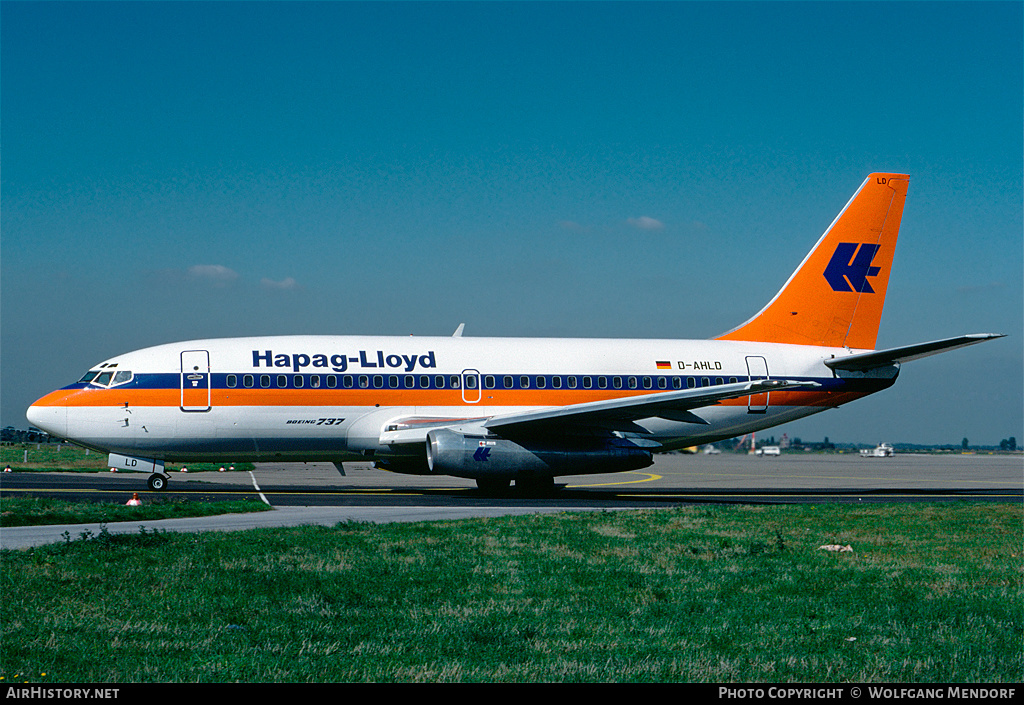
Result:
x=835 y=296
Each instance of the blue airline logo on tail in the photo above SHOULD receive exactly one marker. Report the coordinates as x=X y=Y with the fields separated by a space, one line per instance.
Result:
x=850 y=267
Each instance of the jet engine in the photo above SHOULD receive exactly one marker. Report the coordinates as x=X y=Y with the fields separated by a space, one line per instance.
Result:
x=484 y=457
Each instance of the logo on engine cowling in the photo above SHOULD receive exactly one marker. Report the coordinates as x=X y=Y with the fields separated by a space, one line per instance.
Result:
x=481 y=454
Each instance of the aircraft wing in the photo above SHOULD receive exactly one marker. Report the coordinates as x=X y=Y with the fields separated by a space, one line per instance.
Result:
x=892 y=356
x=609 y=414
x=618 y=414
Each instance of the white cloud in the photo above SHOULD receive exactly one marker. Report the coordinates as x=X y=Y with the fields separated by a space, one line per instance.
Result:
x=215 y=273
x=572 y=226
x=646 y=223
x=285 y=284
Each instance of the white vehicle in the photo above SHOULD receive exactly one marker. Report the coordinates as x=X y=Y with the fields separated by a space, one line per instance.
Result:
x=769 y=450
x=882 y=450
x=499 y=409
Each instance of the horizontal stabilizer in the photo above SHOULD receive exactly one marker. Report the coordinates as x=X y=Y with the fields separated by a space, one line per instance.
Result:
x=892 y=356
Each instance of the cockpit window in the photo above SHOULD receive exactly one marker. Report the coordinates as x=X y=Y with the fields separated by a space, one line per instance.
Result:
x=106 y=378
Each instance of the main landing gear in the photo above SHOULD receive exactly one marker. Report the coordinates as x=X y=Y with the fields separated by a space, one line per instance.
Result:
x=533 y=487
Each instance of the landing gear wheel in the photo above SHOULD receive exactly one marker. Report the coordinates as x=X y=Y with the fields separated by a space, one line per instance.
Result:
x=157 y=482
x=493 y=487
x=536 y=486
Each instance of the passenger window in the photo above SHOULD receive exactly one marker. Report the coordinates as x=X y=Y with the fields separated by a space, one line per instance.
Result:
x=282 y=381
x=631 y=382
x=393 y=381
x=232 y=381
x=297 y=380
x=378 y=381
x=541 y=382
x=247 y=381
x=556 y=382
x=524 y=382
x=572 y=382
x=617 y=382
x=719 y=380
x=314 y=381
x=677 y=383
x=602 y=382
x=265 y=381
x=705 y=381
x=410 y=382
x=439 y=381
x=647 y=382
x=364 y=382
x=507 y=381
x=332 y=382
x=456 y=383
x=587 y=383
x=732 y=380
x=424 y=382
x=662 y=383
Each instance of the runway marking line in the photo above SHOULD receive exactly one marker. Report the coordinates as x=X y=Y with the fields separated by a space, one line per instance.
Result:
x=650 y=478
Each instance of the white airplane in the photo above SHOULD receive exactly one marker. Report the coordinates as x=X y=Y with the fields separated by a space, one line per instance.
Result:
x=503 y=409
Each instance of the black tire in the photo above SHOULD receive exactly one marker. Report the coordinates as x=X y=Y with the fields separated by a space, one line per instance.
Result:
x=536 y=486
x=493 y=486
x=157 y=482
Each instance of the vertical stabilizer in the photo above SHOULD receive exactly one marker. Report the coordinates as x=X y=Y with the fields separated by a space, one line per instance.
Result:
x=836 y=295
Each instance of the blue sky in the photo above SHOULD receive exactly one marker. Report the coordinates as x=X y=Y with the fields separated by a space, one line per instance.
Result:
x=184 y=170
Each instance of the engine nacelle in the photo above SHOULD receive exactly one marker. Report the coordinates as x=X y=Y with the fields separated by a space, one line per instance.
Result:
x=479 y=457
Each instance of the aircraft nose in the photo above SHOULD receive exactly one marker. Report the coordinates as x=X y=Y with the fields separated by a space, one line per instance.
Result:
x=52 y=419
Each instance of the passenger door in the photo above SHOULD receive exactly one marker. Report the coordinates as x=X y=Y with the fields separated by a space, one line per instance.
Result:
x=195 y=380
x=757 y=369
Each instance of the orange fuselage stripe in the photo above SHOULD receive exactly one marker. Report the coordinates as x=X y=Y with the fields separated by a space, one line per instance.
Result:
x=395 y=397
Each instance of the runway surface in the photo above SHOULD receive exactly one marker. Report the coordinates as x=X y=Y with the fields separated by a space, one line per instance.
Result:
x=315 y=493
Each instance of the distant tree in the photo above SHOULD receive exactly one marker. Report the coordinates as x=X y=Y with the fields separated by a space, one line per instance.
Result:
x=1008 y=443
x=963 y=444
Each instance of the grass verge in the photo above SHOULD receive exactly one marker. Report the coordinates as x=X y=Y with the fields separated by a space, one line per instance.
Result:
x=930 y=593
x=47 y=457
x=38 y=511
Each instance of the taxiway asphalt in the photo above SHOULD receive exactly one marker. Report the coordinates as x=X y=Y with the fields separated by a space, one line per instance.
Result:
x=315 y=493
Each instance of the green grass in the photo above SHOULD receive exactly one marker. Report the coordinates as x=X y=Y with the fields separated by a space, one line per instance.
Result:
x=45 y=457
x=36 y=511
x=931 y=593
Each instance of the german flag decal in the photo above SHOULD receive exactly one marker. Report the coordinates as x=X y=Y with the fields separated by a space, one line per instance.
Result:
x=663 y=365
